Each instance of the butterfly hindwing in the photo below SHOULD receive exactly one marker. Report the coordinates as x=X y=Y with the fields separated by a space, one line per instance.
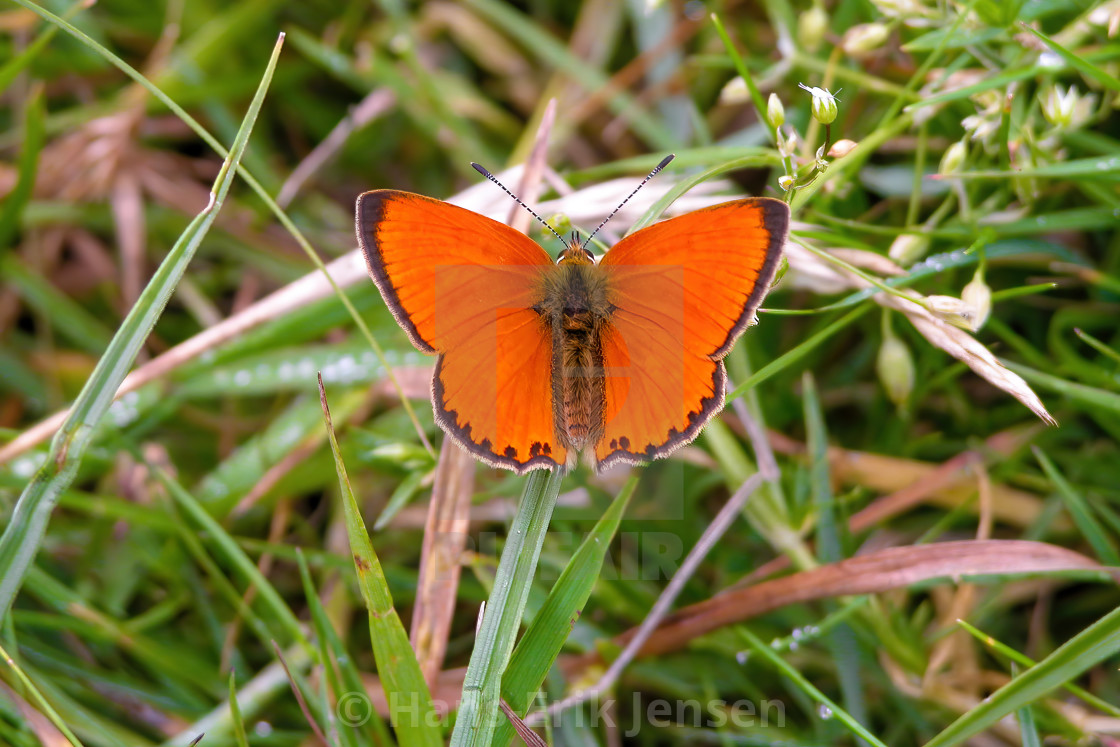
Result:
x=463 y=286
x=683 y=290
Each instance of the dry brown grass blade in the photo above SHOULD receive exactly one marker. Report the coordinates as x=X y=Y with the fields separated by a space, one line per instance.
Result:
x=633 y=71
x=883 y=570
x=297 y=692
x=530 y=186
x=813 y=271
x=964 y=347
x=375 y=104
x=127 y=202
x=528 y=736
x=909 y=483
x=46 y=732
x=445 y=538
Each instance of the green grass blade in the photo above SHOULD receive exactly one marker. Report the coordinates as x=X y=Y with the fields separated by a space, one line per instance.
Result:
x=235 y=713
x=14 y=202
x=24 y=532
x=1077 y=62
x=1026 y=661
x=411 y=710
x=283 y=619
x=545 y=636
x=38 y=699
x=796 y=354
x=1079 y=509
x=744 y=73
x=353 y=707
x=681 y=187
x=1086 y=649
x=767 y=653
x=478 y=709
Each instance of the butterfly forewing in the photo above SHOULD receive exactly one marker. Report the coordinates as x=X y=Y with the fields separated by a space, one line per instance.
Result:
x=464 y=286
x=683 y=290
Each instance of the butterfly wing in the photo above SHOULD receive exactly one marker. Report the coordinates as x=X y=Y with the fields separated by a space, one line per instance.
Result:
x=683 y=291
x=464 y=287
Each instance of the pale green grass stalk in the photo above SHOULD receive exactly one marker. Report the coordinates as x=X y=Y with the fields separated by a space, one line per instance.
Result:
x=501 y=618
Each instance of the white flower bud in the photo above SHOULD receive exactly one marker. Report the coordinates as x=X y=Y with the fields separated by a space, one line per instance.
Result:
x=811 y=28
x=775 y=112
x=953 y=159
x=864 y=38
x=895 y=366
x=978 y=295
x=908 y=248
x=735 y=92
x=842 y=148
x=787 y=146
x=1067 y=109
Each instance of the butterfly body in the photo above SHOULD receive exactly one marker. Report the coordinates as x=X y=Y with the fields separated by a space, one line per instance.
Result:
x=619 y=359
x=575 y=308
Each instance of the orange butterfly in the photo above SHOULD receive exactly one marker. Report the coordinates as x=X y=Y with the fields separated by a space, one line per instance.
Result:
x=539 y=360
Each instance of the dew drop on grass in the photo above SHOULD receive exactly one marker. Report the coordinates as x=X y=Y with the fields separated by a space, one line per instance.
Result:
x=25 y=467
x=742 y=656
x=824 y=711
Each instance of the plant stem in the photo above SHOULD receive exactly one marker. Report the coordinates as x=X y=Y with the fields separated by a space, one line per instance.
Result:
x=501 y=618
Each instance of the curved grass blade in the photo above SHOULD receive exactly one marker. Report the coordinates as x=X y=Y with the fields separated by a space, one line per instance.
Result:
x=411 y=710
x=794 y=355
x=38 y=699
x=1086 y=649
x=1026 y=661
x=771 y=656
x=24 y=532
x=235 y=713
x=1077 y=62
x=342 y=675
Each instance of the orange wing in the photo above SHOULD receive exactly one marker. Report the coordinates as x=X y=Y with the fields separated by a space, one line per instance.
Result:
x=683 y=291
x=464 y=286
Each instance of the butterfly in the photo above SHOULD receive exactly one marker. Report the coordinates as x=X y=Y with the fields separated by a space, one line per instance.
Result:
x=620 y=358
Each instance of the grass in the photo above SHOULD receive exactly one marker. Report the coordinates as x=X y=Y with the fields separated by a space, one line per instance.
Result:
x=184 y=551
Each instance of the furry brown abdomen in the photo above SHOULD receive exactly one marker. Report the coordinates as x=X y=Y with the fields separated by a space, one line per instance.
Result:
x=579 y=406
x=576 y=308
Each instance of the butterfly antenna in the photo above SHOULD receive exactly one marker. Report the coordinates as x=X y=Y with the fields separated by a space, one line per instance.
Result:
x=664 y=162
x=516 y=199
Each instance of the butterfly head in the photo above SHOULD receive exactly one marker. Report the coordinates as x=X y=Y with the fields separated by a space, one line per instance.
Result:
x=576 y=253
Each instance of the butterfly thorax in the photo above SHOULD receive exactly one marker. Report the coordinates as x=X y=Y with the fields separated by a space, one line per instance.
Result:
x=575 y=307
